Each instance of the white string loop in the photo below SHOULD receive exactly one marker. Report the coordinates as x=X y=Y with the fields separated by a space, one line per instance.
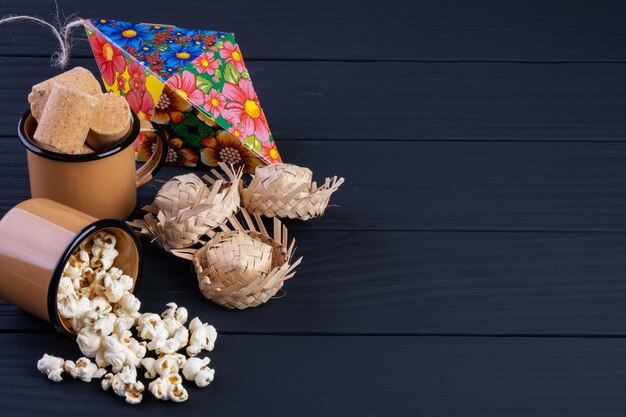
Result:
x=62 y=33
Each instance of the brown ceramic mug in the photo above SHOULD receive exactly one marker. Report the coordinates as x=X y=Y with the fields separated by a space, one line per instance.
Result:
x=37 y=238
x=103 y=184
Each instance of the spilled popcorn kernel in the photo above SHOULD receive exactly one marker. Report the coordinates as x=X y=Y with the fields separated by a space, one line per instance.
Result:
x=84 y=369
x=124 y=383
x=52 y=366
x=198 y=370
x=203 y=337
x=169 y=388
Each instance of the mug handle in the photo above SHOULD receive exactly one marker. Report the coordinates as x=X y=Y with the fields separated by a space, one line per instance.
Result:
x=149 y=169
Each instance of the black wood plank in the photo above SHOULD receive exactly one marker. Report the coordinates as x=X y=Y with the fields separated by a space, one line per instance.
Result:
x=351 y=376
x=437 y=185
x=408 y=101
x=531 y=30
x=415 y=283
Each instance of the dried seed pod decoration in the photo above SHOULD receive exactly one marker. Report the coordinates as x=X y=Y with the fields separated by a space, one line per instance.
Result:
x=243 y=267
x=287 y=191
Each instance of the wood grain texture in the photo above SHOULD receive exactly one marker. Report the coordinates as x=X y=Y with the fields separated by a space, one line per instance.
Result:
x=415 y=283
x=359 y=376
x=529 y=30
x=484 y=149
x=436 y=185
x=406 y=100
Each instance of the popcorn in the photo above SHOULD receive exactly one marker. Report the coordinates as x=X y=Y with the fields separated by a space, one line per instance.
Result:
x=105 y=325
x=97 y=284
x=166 y=365
x=122 y=350
x=66 y=289
x=128 y=306
x=86 y=244
x=115 y=286
x=89 y=344
x=160 y=389
x=89 y=274
x=169 y=345
x=107 y=257
x=94 y=298
x=81 y=287
x=181 y=336
x=90 y=338
x=52 y=366
x=75 y=264
x=203 y=336
x=175 y=335
x=198 y=370
x=173 y=379
x=136 y=348
x=174 y=317
x=125 y=384
x=163 y=346
x=178 y=393
x=169 y=388
x=104 y=240
x=150 y=326
x=123 y=323
x=133 y=392
x=100 y=305
x=179 y=358
x=88 y=318
x=84 y=369
x=92 y=278
x=108 y=380
x=103 y=250
x=148 y=364
x=74 y=309
x=114 y=353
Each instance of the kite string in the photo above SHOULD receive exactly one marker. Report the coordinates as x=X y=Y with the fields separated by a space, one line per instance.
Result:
x=62 y=33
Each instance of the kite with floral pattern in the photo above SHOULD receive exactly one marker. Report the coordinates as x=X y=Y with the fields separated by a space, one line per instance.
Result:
x=193 y=82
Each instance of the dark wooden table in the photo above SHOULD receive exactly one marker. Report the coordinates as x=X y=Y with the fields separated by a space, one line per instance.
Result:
x=477 y=262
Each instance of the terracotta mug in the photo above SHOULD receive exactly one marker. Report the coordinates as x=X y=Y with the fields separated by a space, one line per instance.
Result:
x=103 y=184
x=37 y=238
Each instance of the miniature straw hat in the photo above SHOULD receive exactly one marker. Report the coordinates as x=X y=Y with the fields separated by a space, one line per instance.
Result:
x=181 y=192
x=287 y=191
x=186 y=208
x=244 y=267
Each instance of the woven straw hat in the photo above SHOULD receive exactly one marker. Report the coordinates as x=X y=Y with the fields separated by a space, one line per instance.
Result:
x=180 y=192
x=186 y=208
x=244 y=267
x=287 y=191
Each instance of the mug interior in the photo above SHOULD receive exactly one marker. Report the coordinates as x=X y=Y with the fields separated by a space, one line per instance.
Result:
x=128 y=260
x=27 y=126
